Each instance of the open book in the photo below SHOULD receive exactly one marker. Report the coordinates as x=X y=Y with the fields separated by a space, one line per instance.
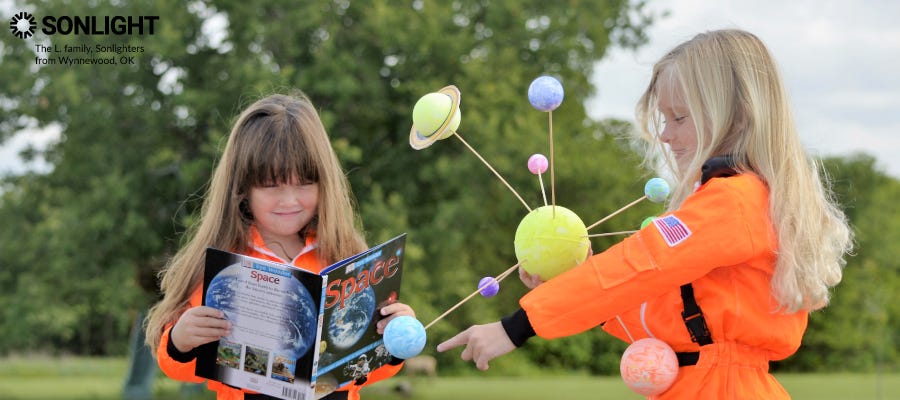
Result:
x=296 y=334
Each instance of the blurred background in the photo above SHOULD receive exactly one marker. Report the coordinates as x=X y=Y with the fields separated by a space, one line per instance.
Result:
x=102 y=167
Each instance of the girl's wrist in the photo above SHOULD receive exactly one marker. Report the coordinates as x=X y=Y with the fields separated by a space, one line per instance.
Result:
x=176 y=354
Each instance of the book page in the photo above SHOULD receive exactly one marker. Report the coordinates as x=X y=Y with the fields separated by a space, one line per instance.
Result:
x=274 y=311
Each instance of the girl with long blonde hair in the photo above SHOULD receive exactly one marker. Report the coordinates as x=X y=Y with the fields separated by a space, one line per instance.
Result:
x=750 y=244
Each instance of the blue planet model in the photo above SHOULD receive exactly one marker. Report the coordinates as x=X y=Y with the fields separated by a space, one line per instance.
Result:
x=545 y=93
x=657 y=190
x=404 y=337
x=348 y=324
x=298 y=311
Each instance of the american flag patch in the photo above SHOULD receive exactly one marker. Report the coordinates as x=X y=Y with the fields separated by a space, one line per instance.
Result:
x=672 y=229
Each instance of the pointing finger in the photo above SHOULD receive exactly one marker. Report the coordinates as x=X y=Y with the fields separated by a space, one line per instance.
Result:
x=460 y=339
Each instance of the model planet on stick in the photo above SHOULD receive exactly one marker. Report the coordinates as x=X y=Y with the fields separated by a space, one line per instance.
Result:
x=436 y=116
x=404 y=337
x=488 y=286
x=551 y=240
x=537 y=164
x=649 y=366
x=656 y=190
x=545 y=93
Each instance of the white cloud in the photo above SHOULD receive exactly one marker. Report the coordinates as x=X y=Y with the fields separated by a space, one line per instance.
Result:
x=840 y=62
x=39 y=139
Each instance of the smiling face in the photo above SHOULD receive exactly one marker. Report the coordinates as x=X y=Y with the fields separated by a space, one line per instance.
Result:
x=282 y=210
x=679 y=132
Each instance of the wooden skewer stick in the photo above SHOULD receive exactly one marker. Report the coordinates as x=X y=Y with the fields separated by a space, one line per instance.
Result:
x=499 y=278
x=622 y=324
x=616 y=212
x=507 y=272
x=493 y=170
x=543 y=193
x=612 y=233
x=552 y=174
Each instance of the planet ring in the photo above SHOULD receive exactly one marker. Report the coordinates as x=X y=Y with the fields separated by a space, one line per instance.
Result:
x=419 y=142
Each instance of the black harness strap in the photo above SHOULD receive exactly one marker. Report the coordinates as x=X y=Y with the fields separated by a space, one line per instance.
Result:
x=692 y=315
x=688 y=358
x=696 y=326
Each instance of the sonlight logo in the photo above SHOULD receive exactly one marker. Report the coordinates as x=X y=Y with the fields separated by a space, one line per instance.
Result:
x=23 y=25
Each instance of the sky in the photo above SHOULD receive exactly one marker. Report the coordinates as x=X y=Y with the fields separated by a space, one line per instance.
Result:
x=840 y=61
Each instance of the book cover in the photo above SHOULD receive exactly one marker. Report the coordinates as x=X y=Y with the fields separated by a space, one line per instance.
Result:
x=356 y=290
x=292 y=328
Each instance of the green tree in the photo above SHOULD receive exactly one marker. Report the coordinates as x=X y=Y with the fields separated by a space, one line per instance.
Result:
x=138 y=142
x=858 y=331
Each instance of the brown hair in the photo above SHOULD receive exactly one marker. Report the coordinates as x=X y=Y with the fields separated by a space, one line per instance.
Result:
x=275 y=139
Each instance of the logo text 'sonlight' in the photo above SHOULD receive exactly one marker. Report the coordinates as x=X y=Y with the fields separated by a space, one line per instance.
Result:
x=24 y=25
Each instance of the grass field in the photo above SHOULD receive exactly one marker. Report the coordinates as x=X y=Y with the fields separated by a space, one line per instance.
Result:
x=102 y=379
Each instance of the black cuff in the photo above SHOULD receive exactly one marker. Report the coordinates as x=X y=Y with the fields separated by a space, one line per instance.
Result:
x=176 y=354
x=396 y=361
x=517 y=327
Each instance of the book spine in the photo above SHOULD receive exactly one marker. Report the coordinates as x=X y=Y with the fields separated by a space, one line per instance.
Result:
x=320 y=324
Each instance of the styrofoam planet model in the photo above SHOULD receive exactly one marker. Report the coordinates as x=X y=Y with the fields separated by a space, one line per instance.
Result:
x=551 y=240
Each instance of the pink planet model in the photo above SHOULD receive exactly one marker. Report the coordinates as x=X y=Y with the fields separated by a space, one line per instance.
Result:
x=649 y=366
x=537 y=164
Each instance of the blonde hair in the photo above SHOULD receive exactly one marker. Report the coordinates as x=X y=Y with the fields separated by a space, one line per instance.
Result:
x=274 y=140
x=735 y=97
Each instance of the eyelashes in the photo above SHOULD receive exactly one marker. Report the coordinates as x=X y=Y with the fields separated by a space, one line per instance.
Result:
x=677 y=119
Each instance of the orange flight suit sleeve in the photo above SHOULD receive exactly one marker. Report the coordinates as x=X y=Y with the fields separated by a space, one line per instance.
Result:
x=727 y=219
x=184 y=371
x=181 y=371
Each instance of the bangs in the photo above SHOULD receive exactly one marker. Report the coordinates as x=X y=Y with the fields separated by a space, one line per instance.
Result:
x=275 y=151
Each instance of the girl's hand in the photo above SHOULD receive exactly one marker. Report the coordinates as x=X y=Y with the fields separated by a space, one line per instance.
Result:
x=392 y=311
x=530 y=280
x=197 y=326
x=483 y=343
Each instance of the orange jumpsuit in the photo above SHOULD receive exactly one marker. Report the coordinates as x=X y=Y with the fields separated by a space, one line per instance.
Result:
x=727 y=251
x=184 y=371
